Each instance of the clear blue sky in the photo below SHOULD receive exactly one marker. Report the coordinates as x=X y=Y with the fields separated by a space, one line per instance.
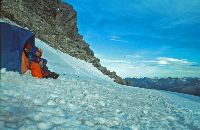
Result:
x=143 y=38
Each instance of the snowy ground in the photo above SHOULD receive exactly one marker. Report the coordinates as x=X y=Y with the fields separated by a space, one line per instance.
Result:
x=83 y=98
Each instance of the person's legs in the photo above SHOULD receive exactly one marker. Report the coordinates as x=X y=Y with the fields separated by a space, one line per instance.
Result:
x=36 y=70
x=49 y=74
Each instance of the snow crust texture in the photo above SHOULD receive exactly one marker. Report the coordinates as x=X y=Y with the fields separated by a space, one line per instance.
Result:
x=83 y=98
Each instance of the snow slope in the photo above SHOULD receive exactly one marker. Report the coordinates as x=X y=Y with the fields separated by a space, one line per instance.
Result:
x=84 y=98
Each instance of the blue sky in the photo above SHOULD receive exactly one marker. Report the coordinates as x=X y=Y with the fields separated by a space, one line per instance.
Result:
x=143 y=38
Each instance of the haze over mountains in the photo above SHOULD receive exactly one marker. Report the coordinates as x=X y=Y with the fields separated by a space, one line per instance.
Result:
x=188 y=85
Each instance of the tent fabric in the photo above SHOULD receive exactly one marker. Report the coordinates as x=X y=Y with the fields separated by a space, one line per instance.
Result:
x=13 y=39
x=24 y=64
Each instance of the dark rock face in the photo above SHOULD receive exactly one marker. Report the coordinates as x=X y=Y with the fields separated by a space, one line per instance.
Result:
x=54 y=22
x=186 y=85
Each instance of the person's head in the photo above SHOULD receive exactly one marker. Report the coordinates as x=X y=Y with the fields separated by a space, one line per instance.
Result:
x=38 y=53
x=27 y=47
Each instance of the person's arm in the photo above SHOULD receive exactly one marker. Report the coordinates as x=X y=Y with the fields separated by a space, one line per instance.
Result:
x=41 y=63
x=32 y=58
x=44 y=61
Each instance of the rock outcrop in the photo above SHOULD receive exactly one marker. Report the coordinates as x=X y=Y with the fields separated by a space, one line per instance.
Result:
x=54 y=22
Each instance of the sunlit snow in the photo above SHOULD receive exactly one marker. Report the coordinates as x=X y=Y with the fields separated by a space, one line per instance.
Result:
x=83 y=98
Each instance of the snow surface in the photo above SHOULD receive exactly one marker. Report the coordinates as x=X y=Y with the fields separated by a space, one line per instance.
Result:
x=84 y=98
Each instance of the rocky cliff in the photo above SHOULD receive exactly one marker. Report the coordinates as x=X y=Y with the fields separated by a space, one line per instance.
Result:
x=54 y=22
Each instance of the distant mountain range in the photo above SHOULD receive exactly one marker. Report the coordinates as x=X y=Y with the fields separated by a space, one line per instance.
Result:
x=187 y=85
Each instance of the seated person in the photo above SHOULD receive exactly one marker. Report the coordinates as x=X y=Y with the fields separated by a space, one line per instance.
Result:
x=27 y=49
x=37 y=65
x=31 y=64
x=46 y=73
x=25 y=60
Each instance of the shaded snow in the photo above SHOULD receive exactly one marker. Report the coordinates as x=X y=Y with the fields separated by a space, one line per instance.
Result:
x=84 y=98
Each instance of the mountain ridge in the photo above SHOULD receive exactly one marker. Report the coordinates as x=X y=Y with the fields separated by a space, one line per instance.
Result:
x=187 y=85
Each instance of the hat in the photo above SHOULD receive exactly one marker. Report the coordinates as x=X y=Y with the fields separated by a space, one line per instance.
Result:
x=28 y=46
